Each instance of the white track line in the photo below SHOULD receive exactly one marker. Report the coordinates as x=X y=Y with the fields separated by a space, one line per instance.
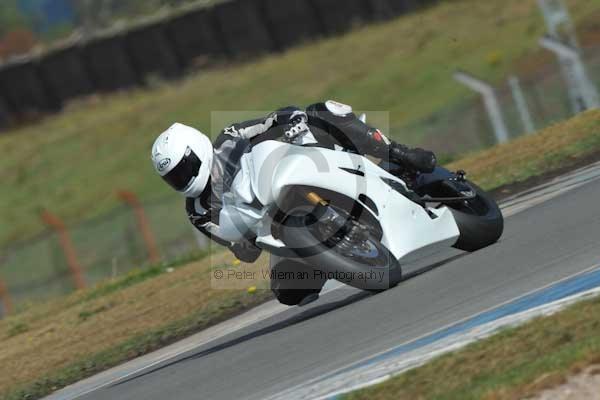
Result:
x=288 y=393
x=453 y=343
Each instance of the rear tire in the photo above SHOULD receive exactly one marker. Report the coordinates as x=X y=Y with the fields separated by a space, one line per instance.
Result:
x=479 y=221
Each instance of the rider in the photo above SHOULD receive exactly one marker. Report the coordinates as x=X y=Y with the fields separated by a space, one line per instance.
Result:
x=202 y=171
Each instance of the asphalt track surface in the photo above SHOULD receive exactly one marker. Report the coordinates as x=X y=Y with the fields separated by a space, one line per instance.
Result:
x=541 y=245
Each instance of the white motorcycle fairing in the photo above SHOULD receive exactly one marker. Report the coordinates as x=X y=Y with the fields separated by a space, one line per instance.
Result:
x=409 y=232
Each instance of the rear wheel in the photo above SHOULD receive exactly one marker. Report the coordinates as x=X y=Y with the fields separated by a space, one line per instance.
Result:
x=479 y=221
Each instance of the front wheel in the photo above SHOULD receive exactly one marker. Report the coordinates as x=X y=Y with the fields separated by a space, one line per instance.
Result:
x=354 y=255
x=479 y=221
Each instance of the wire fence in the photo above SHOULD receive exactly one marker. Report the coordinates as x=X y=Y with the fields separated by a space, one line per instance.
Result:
x=106 y=247
x=113 y=245
x=465 y=127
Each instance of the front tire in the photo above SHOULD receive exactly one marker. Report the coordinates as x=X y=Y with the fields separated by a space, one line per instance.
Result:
x=479 y=221
x=376 y=271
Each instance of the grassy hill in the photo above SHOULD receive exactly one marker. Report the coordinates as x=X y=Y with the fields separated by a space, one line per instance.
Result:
x=72 y=163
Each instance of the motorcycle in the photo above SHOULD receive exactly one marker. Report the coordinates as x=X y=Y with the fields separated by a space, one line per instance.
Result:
x=330 y=214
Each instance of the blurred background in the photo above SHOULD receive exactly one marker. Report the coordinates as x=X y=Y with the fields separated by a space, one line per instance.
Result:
x=87 y=85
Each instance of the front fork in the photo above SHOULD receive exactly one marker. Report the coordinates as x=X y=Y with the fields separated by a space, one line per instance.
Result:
x=324 y=213
x=333 y=225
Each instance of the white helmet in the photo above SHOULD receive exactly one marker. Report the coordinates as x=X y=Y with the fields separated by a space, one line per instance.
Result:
x=183 y=157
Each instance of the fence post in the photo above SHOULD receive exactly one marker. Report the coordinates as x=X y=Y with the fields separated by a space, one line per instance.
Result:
x=522 y=108
x=583 y=86
x=5 y=299
x=560 y=28
x=67 y=246
x=133 y=201
x=491 y=103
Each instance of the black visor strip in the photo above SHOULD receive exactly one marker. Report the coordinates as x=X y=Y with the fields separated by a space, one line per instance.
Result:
x=187 y=169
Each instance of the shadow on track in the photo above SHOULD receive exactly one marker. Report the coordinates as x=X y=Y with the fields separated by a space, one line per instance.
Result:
x=293 y=320
x=306 y=315
x=430 y=267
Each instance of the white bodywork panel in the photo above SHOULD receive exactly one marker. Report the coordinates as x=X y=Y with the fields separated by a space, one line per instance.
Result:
x=408 y=231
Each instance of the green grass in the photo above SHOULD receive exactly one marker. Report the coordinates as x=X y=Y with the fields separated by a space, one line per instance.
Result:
x=72 y=163
x=514 y=364
x=136 y=276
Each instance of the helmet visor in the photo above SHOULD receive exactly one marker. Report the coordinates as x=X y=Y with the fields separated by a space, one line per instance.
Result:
x=184 y=172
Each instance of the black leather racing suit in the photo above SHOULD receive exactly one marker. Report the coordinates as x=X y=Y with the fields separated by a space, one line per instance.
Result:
x=329 y=128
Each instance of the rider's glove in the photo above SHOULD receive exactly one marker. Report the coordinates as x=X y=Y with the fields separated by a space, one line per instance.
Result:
x=246 y=251
x=199 y=220
x=417 y=159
